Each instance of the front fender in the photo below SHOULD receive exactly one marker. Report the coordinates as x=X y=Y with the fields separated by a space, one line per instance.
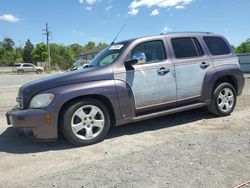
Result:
x=63 y=94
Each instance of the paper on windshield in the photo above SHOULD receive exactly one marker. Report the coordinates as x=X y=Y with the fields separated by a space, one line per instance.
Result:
x=116 y=47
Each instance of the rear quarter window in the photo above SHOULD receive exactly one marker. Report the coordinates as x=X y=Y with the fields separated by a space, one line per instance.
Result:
x=217 y=45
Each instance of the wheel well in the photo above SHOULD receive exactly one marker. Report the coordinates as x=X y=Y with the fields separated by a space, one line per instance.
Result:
x=228 y=79
x=101 y=98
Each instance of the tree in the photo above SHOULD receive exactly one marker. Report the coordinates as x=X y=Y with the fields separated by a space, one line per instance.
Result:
x=8 y=44
x=244 y=47
x=102 y=45
x=76 y=49
x=1 y=46
x=7 y=58
x=39 y=53
x=61 y=56
x=27 y=53
x=90 y=45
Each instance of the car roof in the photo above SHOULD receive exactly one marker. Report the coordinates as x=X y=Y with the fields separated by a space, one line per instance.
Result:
x=171 y=34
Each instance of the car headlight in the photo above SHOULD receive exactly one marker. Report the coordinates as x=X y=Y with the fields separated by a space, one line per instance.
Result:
x=41 y=100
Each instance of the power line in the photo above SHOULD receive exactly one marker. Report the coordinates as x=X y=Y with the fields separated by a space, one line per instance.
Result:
x=48 y=34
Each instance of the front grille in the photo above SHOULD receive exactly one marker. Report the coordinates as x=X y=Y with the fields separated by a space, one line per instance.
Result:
x=19 y=100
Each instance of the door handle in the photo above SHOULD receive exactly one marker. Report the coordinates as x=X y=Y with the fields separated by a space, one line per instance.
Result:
x=162 y=71
x=204 y=65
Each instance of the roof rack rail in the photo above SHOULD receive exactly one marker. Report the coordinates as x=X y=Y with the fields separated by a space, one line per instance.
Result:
x=205 y=32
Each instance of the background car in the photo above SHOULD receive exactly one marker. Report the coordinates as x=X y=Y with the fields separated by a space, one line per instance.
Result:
x=21 y=68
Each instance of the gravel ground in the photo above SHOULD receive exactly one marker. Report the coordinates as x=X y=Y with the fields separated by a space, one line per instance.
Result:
x=188 y=149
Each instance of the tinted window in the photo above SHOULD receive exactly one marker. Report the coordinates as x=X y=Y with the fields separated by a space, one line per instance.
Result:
x=17 y=65
x=217 y=46
x=27 y=65
x=153 y=50
x=186 y=47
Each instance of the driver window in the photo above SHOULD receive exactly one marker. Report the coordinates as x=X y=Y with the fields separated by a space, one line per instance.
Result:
x=149 y=52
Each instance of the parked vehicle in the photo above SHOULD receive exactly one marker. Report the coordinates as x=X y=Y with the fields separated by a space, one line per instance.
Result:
x=78 y=67
x=21 y=68
x=130 y=81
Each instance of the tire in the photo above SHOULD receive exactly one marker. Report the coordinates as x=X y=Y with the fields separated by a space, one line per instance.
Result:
x=88 y=128
x=223 y=100
x=39 y=71
x=20 y=71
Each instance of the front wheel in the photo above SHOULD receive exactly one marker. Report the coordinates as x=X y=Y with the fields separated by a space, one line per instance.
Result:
x=223 y=100
x=20 y=71
x=39 y=71
x=85 y=122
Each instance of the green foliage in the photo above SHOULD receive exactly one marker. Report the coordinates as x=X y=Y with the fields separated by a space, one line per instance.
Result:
x=39 y=54
x=90 y=45
x=102 y=45
x=7 y=58
x=61 y=56
x=8 y=44
x=244 y=47
x=76 y=49
x=27 y=53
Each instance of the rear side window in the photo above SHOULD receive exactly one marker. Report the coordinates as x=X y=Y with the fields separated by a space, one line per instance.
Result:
x=187 y=47
x=217 y=46
x=27 y=65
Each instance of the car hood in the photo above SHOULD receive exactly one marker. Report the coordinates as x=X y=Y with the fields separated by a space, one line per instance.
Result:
x=85 y=75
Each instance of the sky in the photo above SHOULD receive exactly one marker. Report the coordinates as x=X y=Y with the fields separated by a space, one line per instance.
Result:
x=80 y=21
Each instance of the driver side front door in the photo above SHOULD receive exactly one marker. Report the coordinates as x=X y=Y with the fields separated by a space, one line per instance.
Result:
x=153 y=81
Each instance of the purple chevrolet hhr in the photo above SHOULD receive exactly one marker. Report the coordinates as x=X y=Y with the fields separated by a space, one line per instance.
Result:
x=130 y=81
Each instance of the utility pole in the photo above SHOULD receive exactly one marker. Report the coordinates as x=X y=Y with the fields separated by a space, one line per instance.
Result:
x=48 y=33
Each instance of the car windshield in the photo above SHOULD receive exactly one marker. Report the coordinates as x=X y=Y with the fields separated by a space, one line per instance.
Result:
x=106 y=56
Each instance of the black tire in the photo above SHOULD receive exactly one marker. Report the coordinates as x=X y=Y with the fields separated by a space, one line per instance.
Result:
x=20 y=71
x=214 y=106
x=67 y=115
x=39 y=71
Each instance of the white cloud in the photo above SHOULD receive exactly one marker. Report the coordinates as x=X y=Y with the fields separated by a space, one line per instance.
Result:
x=180 y=7
x=155 y=12
x=109 y=7
x=89 y=8
x=166 y=29
x=90 y=2
x=136 y=4
x=133 y=11
x=9 y=18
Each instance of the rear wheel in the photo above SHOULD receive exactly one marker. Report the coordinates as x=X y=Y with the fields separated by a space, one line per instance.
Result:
x=223 y=100
x=20 y=71
x=85 y=122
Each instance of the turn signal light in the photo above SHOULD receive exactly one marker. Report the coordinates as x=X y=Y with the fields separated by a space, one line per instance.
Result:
x=48 y=118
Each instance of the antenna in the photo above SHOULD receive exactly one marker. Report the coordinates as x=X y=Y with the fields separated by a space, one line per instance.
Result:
x=118 y=34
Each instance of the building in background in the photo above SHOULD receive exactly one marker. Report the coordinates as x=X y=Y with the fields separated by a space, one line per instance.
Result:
x=244 y=62
x=86 y=57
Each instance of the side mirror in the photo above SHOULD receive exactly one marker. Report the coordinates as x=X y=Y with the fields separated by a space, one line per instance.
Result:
x=139 y=58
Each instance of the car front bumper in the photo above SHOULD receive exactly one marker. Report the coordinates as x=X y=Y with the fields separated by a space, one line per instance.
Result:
x=39 y=122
